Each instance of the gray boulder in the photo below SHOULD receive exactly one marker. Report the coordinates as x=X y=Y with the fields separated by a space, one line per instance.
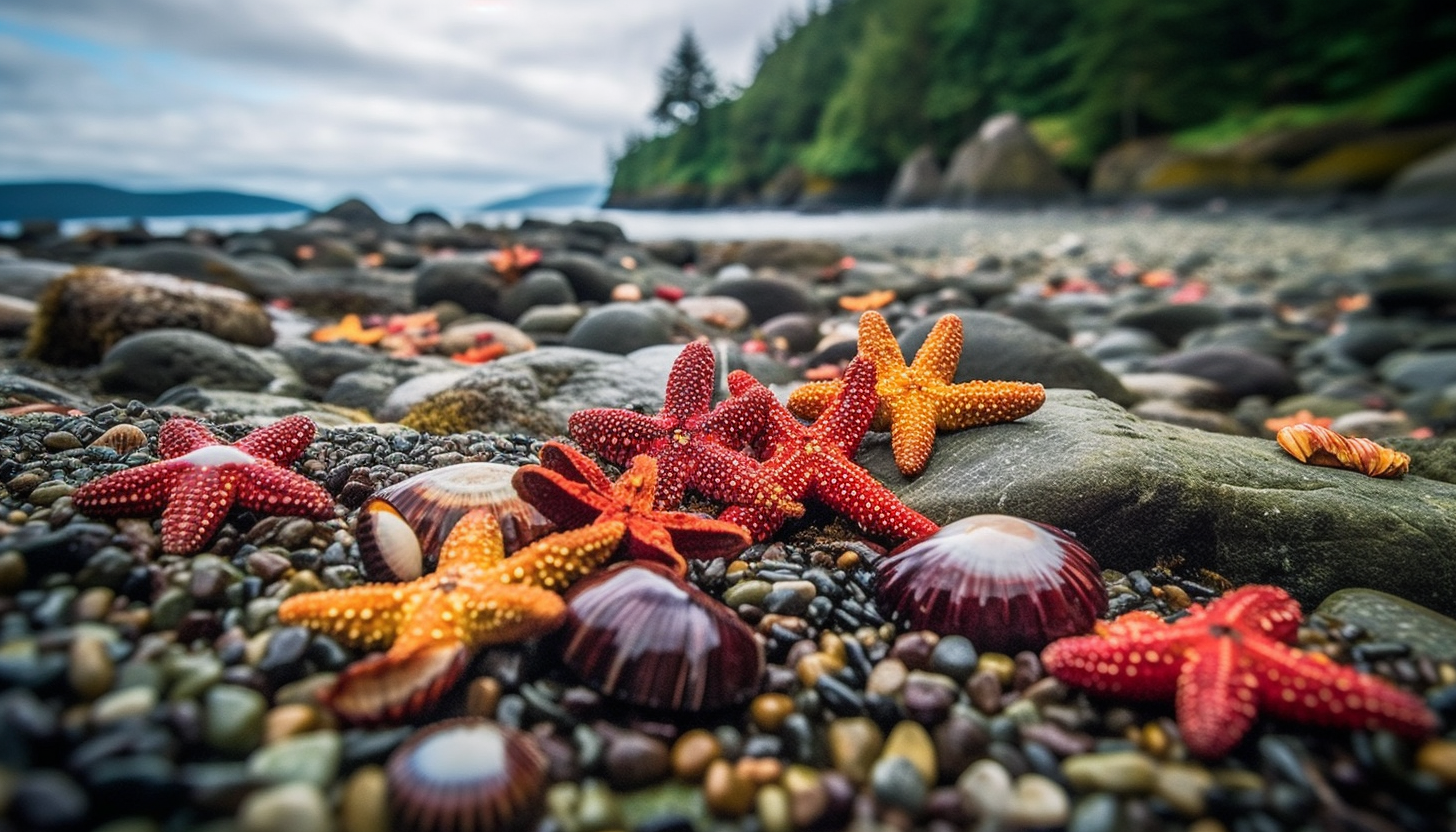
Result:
x=1135 y=492
x=151 y=362
x=917 y=182
x=535 y=392
x=1002 y=162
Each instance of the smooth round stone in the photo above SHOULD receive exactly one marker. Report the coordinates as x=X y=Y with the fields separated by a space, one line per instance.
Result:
x=91 y=671
x=693 y=752
x=287 y=807
x=722 y=312
x=618 y=328
x=128 y=703
x=290 y=720
x=192 y=675
x=634 y=760
x=769 y=710
x=1184 y=786
x=808 y=797
x=233 y=723
x=896 y=782
x=364 y=804
x=1390 y=618
x=750 y=592
x=1098 y=813
x=1000 y=665
x=726 y=793
x=928 y=697
x=959 y=741
x=1121 y=772
x=774 y=809
x=597 y=808
x=12 y=571
x=854 y=744
x=308 y=758
x=909 y=740
x=789 y=597
x=94 y=603
x=1438 y=758
x=954 y=656
x=47 y=799
x=887 y=678
x=1037 y=802
x=986 y=787
x=47 y=493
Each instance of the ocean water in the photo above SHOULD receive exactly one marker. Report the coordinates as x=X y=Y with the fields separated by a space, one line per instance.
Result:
x=638 y=225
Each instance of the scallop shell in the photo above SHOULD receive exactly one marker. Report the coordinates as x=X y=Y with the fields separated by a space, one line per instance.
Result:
x=1005 y=583
x=1316 y=445
x=637 y=632
x=401 y=527
x=121 y=438
x=467 y=774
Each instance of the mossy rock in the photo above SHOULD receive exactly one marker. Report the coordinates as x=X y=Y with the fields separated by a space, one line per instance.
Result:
x=1368 y=164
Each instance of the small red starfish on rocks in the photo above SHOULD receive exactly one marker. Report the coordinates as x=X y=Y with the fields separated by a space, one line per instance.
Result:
x=572 y=492
x=695 y=447
x=199 y=480
x=1224 y=663
x=818 y=461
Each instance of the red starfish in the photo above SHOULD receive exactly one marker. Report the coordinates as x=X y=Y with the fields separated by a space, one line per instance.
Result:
x=818 y=461
x=695 y=447
x=1223 y=663
x=572 y=492
x=199 y=479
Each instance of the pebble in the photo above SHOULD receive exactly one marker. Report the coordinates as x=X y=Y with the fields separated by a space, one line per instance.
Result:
x=1184 y=786
x=1438 y=758
x=286 y=807
x=693 y=752
x=1120 y=772
x=769 y=710
x=726 y=793
x=127 y=703
x=1038 y=802
x=364 y=803
x=774 y=809
x=986 y=787
x=910 y=741
x=896 y=782
x=634 y=760
x=91 y=671
x=310 y=758
x=954 y=656
x=854 y=744
x=233 y=719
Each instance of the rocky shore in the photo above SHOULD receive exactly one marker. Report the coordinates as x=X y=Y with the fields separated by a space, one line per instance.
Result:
x=149 y=690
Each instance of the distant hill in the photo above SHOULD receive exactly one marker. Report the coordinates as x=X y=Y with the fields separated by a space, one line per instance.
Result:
x=565 y=196
x=84 y=200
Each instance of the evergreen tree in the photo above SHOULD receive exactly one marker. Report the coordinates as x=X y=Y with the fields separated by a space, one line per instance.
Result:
x=688 y=85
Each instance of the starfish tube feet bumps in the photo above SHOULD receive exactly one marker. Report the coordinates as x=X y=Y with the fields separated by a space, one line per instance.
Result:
x=572 y=491
x=199 y=480
x=696 y=446
x=818 y=461
x=918 y=399
x=433 y=625
x=1224 y=663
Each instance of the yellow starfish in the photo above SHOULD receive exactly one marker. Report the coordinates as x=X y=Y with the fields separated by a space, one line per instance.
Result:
x=432 y=626
x=919 y=399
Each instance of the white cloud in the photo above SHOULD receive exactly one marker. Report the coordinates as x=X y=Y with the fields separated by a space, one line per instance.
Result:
x=438 y=102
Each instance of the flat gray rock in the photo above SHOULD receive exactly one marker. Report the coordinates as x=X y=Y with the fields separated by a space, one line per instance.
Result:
x=1135 y=492
x=1388 y=618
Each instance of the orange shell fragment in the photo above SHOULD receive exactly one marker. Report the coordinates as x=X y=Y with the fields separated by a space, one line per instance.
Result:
x=1316 y=445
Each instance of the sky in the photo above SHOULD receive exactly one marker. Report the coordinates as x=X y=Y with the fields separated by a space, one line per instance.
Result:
x=409 y=104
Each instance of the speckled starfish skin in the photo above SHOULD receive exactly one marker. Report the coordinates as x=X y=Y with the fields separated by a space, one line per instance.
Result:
x=200 y=479
x=818 y=461
x=919 y=399
x=572 y=491
x=432 y=626
x=1224 y=663
x=695 y=447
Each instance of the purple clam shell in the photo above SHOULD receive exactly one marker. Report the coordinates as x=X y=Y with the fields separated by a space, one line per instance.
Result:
x=467 y=774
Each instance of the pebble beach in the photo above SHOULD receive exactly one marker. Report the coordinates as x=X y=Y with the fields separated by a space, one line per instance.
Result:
x=145 y=690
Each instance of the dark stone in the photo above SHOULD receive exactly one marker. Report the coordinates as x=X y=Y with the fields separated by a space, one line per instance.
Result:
x=618 y=328
x=1170 y=322
x=152 y=362
x=768 y=297
x=590 y=277
x=1240 y=372
x=473 y=285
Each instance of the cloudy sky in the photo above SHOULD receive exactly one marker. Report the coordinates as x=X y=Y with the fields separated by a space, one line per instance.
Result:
x=407 y=103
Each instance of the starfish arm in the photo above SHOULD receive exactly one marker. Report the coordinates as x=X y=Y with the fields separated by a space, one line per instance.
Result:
x=1135 y=656
x=779 y=425
x=877 y=343
x=617 y=435
x=739 y=420
x=851 y=491
x=912 y=433
x=848 y=417
x=199 y=503
x=475 y=539
x=701 y=538
x=1310 y=687
x=365 y=617
x=809 y=400
x=648 y=541
x=281 y=442
x=181 y=436
x=574 y=465
x=758 y=523
x=557 y=560
x=1217 y=698
x=690 y=382
x=478 y=616
x=974 y=403
x=1267 y=611
x=729 y=477
x=567 y=503
x=268 y=488
x=133 y=492
x=396 y=686
x=676 y=464
x=939 y=356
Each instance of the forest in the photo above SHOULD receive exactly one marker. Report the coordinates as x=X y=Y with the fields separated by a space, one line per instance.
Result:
x=843 y=94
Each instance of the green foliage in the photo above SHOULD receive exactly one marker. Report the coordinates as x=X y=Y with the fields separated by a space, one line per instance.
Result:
x=856 y=85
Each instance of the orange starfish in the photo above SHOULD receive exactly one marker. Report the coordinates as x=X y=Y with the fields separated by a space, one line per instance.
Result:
x=877 y=299
x=572 y=491
x=919 y=399
x=349 y=328
x=1303 y=417
x=475 y=597
x=1223 y=663
x=511 y=263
